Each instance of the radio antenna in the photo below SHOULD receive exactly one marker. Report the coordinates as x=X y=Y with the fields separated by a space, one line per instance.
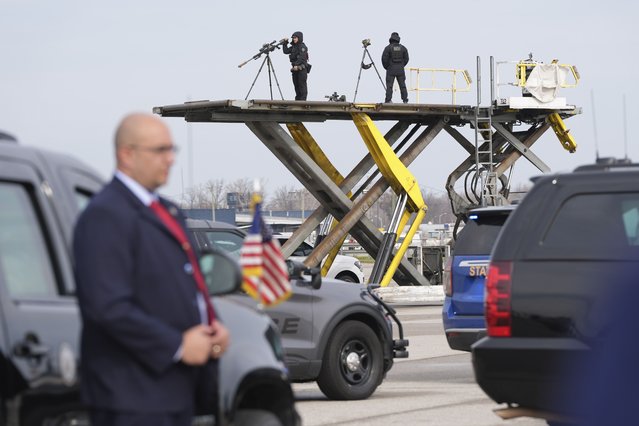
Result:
x=594 y=123
x=625 y=128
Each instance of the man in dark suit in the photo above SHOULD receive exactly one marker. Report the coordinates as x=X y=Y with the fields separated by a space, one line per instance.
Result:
x=150 y=339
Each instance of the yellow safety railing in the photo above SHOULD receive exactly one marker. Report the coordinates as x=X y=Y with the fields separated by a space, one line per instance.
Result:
x=453 y=87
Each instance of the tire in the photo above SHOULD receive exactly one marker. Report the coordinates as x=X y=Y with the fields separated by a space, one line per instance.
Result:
x=352 y=365
x=346 y=278
x=256 y=417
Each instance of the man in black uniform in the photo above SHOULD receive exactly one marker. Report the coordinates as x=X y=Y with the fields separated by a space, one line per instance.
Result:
x=394 y=59
x=298 y=54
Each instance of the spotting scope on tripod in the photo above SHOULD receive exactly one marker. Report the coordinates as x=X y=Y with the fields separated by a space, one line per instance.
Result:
x=363 y=66
x=265 y=51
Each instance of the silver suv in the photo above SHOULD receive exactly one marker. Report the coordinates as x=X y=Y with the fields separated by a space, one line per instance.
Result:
x=41 y=194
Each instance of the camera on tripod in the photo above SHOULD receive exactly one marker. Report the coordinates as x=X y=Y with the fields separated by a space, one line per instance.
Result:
x=364 y=66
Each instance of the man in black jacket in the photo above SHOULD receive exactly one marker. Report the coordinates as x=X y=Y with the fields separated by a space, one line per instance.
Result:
x=298 y=54
x=394 y=59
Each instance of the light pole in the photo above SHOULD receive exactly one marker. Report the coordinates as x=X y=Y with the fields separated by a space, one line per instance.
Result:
x=439 y=219
x=212 y=206
x=300 y=193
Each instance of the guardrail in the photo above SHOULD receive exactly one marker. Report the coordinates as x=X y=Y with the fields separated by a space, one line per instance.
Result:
x=415 y=73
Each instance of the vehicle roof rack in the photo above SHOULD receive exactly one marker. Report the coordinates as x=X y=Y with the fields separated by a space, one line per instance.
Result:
x=607 y=163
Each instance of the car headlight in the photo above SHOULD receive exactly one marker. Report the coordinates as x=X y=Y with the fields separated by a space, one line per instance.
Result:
x=273 y=338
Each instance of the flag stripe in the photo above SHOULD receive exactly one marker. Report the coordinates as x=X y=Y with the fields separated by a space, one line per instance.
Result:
x=263 y=266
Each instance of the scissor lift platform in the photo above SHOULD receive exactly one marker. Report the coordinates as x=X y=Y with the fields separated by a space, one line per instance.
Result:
x=416 y=125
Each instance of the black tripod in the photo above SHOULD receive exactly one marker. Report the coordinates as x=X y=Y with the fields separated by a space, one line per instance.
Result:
x=363 y=66
x=266 y=50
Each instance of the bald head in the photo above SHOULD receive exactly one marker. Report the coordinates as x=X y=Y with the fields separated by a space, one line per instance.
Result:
x=134 y=128
x=144 y=149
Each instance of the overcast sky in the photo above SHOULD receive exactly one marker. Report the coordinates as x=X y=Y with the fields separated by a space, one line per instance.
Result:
x=69 y=71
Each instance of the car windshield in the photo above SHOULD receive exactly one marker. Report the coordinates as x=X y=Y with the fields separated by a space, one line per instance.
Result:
x=479 y=235
x=225 y=240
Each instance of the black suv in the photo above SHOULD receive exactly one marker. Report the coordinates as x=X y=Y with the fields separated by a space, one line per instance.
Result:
x=550 y=275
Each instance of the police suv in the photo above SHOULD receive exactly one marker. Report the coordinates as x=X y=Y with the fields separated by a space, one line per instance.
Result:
x=336 y=333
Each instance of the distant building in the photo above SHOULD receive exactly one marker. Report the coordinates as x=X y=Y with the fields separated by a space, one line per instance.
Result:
x=221 y=215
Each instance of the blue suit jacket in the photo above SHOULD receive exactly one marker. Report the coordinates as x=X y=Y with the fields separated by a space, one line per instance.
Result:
x=136 y=298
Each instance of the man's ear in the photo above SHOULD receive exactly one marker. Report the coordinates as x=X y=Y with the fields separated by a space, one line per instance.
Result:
x=123 y=156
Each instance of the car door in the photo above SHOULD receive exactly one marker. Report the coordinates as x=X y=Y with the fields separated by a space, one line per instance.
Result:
x=42 y=322
x=293 y=317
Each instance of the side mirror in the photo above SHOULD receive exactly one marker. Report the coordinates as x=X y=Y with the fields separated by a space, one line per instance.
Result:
x=221 y=272
x=296 y=270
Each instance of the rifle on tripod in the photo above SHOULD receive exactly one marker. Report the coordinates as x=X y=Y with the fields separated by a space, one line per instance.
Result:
x=265 y=50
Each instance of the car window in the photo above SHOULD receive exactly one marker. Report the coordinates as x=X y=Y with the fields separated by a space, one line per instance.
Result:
x=303 y=249
x=479 y=235
x=592 y=222
x=82 y=198
x=227 y=241
x=25 y=263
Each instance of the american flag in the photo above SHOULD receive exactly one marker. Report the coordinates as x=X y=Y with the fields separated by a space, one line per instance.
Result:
x=263 y=266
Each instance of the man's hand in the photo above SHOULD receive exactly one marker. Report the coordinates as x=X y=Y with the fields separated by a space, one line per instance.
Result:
x=196 y=344
x=220 y=339
x=295 y=68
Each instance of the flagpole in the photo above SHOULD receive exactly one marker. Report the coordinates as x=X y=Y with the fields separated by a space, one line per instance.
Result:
x=255 y=201
x=264 y=270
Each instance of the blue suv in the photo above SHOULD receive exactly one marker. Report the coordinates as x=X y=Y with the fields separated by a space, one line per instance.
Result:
x=463 y=310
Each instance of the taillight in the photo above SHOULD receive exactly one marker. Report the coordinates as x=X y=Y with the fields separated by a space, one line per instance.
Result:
x=497 y=301
x=448 y=277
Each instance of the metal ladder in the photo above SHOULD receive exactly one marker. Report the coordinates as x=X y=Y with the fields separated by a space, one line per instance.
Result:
x=484 y=165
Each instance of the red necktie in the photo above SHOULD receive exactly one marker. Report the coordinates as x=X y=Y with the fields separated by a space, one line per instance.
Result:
x=178 y=232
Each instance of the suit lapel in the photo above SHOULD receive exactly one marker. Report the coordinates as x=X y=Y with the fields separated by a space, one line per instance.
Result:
x=144 y=211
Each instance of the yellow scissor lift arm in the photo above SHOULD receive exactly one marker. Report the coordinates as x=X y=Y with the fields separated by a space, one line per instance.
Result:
x=404 y=184
x=398 y=177
x=305 y=140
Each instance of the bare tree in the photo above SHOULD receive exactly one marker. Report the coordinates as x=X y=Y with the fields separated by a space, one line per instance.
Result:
x=282 y=199
x=290 y=198
x=439 y=208
x=217 y=194
x=189 y=198
x=244 y=189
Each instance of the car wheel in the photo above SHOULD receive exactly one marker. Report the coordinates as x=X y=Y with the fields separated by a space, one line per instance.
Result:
x=352 y=363
x=256 y=417
x=347 y=278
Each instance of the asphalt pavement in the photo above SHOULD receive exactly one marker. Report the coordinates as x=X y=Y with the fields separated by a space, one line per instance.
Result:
x=434 y=386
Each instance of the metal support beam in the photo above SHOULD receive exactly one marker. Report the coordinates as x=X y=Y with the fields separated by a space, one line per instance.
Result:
x=282 y=145
x=347 y=185
x=523 y=149
x=361 y=205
